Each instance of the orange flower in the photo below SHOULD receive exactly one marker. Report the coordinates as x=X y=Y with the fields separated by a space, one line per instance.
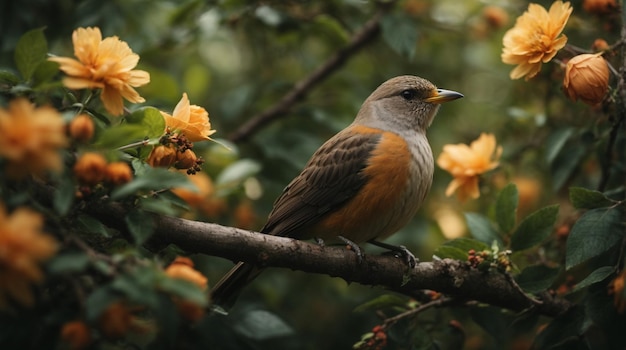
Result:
x=103 y=64
x=23 y=246
x=30 y=139
x=190 y=120
x=76 y=335
x=586 y=78
x=162 y=156
x=466 y=163
x=616 y=288
x=196 y=198
x=535 y=38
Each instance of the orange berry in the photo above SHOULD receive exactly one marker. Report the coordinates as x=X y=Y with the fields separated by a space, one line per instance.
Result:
x=89 y=168
x=115 y=321
x=82 y=128
x=118 y=173
x=76 y=334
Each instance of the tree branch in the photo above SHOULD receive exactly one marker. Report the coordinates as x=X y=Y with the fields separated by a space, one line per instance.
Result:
x=451 y=277
x=368 y=32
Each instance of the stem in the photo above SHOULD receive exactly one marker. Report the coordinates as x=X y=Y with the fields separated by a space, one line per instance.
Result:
x=434 y=303
x=134 y=144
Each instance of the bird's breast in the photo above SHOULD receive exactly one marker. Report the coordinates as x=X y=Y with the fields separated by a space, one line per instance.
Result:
x=399 y=174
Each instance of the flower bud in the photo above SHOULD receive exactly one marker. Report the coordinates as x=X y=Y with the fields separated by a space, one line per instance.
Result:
x=600 y=7
x=185 y=160
x=586 y=78
x=89 y=169
x=162 y=156
x=76 y=335
x=82 y=128
x=600 y=45
x=118 y=173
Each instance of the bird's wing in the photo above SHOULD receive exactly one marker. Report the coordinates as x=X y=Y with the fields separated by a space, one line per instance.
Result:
x=332 y=177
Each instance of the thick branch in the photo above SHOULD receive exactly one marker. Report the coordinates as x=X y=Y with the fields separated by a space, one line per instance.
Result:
x=447 y=276
x=368 y=32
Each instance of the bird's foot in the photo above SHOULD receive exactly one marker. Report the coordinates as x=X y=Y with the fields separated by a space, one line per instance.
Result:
x=401 y=250
x=355 y=247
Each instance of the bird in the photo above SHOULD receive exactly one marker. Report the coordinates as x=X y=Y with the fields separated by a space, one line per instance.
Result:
x=363 y=184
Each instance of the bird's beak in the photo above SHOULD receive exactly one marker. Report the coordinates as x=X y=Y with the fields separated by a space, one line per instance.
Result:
x=441 y=96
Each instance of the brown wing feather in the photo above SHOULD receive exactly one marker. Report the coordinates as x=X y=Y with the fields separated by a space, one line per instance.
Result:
x=330 y=179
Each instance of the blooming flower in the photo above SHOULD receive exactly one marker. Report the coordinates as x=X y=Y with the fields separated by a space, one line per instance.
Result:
x=586 y=78
x=466 y=163
x=30 y=138
x=190 y=120
x=23 y=246
x=535 y=38
x=103 y=64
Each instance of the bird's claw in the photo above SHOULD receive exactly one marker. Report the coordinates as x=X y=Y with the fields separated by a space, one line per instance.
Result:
x=355 y=247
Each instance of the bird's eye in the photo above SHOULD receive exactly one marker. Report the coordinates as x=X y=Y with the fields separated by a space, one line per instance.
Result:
x=408 y=94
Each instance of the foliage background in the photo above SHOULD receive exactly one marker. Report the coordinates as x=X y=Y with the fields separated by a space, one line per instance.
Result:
x=237 y=58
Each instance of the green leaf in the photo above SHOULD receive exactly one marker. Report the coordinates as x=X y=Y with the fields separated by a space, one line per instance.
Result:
x=30 y=51
x=44 y=72
x=92 y=225
x=236 y=173
x=382 y=302
x=68 y=263
x=140 y=224
x=153 y=179
x=121 y=135
x=457 y=249
x=596 y=276
x=537 y=278
x=8 y=77
x=482 y=228
x=184 y=289
x=150 y=119
x=64 y=195
x=566 y=163
x=98 y=301
x=506 y=207
x=260 y=325
x=583 y=198
x=534 y=228
x=597 y=231
x=563 y=332
x=555 y=143
x=400 y=33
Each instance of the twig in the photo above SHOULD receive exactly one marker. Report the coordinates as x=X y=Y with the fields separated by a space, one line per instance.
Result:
x=368 y=32
x=434 y=303
x=519 y=289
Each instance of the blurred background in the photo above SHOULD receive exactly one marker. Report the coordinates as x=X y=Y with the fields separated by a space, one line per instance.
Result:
x=236 y=58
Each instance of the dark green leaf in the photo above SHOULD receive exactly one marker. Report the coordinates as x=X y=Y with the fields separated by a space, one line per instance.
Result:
x=92 y=225
x=30 y=51
x=165 y=203
x=98 y=301
x=534 y=228
x=8 y=77
x=400 y=33
x=566 y=163
x=153 y=179
x=261 y=325
x=537 y=278
x=506 y=207
x=595 y=277
x=121 y=135
x=140 y=224
x=139 y=286
x=565 y=327
x=68 y=263
x=64 y=195
x=382 y=302
x=555 y=143
x=458 y=248
x=44 y=72
x=184 y=289
x=594 y=233
x=150 y=119
x=583 y=198
x=482 y=228
x=236 y=173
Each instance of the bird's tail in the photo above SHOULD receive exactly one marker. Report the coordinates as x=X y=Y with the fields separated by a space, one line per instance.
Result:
x=225 y=292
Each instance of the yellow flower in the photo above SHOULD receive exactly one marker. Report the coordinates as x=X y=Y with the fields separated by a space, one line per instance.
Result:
x=30 y=139
x=103 y=64
x=466 y=163
x=586 y=78
x=23 y=246
x=535 y=38
x=190 y=120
